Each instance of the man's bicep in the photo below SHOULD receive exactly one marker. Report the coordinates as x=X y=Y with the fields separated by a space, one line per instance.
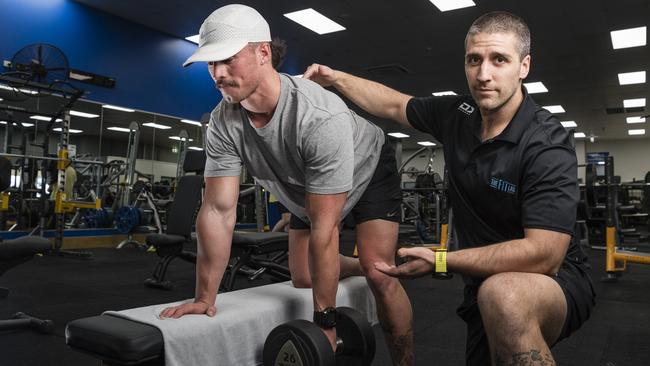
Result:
x=221 y=193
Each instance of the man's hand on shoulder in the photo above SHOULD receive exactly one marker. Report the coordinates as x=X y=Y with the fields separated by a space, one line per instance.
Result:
x=320 y=74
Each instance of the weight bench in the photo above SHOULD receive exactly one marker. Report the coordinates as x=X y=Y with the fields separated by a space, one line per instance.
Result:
x=235 y=336
x=12 y=253
x=261 y=252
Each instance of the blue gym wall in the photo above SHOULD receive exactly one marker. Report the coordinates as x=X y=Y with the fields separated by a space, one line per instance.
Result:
x=146 y=63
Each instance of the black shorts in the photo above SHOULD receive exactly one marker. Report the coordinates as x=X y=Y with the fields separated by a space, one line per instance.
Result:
x=580 y=298
x=282 y=209
x=381 y=199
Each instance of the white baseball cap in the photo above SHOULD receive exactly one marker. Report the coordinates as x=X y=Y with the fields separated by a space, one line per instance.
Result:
x=227 y=31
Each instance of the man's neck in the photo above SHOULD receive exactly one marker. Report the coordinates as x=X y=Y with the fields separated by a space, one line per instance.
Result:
x=261 y=104
x=495 y=121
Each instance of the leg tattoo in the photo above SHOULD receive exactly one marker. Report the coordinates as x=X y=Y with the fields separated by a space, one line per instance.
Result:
x=533 y=357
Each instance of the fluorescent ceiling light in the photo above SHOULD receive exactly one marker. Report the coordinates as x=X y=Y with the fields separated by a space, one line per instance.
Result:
x=83 y=114
x=195 y=148
x=156 y=125
x=635 y=119
x=44 y=118
x=446 y=5
x=178 y=138
x=634 y=103
x=195 y=123
x=640 y=131
x=569 y=124
x=1 y=99
x=25 y=124
x=554 y=108
x=631 y=37
x=439 y=94
x=3 y=122
x=193 y=39
x=426 y=143
x=315 y=21
x=536 y=87
x=119 y=129
x=118 y=108
x=398 y=135
x=72 y=130
x=579 y=135
x=627 y=78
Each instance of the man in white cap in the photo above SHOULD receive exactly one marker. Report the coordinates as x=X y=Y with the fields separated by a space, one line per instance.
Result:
x=320 y=159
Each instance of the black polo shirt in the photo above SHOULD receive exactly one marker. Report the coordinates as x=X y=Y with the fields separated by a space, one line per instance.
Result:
x=526 y=177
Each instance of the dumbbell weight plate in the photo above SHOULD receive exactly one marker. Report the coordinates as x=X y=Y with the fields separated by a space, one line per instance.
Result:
x=298 y=343
x=358 y=338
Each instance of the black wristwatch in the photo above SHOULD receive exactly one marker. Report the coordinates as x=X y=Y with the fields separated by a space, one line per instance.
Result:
x=326 y=318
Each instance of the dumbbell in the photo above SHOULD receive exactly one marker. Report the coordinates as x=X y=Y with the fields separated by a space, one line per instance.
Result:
x=301 y=342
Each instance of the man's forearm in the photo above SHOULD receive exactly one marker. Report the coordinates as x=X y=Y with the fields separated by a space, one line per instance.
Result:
x=214 y=235
x=324 y=266
x=374 y=98
x=521 y=255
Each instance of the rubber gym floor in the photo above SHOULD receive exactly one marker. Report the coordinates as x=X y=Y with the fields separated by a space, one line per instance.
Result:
x=63 y=289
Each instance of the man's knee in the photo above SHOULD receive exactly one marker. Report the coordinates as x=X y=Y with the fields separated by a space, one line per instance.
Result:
x=502 y=303
x=379 y=282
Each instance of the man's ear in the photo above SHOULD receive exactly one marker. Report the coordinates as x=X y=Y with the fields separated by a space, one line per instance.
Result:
x=264 y=50
x=524 y=68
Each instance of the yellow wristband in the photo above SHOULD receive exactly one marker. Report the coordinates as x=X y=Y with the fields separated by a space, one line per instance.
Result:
x=441 y=261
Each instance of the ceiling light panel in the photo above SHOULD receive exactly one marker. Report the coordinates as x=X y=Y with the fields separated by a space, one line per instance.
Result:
x=83 y=114
x=635 y=119
x=628 y=78
x=426 y=143
x=554 y=108
x=569 y=124
x=114 y=107
x=398 y=135
x=448 y=92
x=447 y=5
x=156 y=125
x=315 y=21
x=631 y=37
x=536 y=87
x=634 y=103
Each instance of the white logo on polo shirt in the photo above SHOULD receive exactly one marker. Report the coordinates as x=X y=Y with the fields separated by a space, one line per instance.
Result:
x=466 y=108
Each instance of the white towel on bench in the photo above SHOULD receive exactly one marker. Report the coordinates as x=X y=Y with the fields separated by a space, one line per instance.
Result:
x=236 y=335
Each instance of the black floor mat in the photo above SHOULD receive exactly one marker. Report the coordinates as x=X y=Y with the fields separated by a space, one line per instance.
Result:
x=66 y=289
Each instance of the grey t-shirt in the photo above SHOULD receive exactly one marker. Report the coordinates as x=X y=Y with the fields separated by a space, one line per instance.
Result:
x=313 y=143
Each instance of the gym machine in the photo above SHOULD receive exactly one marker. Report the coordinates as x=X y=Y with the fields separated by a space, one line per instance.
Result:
x=602 y=212
x=424 y=205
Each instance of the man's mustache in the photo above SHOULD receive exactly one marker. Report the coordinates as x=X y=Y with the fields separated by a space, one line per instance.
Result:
x=222 y=83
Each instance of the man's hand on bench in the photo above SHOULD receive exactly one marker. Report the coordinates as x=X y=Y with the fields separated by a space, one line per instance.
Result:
x=196 y=307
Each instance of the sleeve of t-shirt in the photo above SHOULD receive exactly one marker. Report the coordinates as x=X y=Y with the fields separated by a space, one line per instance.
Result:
x=429 y=114
x=550 y=190
x=328 y=155
x=222 y=159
